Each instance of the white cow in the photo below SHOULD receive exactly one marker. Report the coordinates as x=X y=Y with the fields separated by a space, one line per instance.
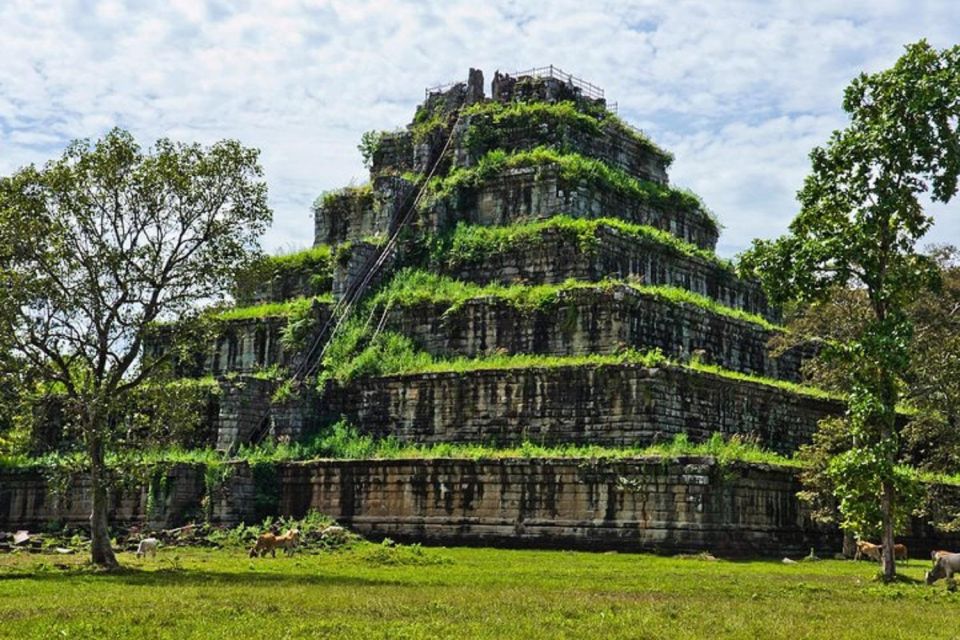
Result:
x=147 y=545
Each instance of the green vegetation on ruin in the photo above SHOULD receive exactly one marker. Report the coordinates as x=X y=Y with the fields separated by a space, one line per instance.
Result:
x=314 y=264
x=573 y=167
x=354 y=354
x=343 y=441
x=413 y=287
x=336 y=197
x=283 y=309
x=474 y=243
x=492 y=123
x=368 y=590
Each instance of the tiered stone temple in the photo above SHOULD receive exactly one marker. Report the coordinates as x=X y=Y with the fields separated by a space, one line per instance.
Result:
x=532 y=222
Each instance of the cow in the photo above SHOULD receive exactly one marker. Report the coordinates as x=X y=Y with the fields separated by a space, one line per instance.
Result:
x=944 y=567
x=147 y=545
x=936 y=553
x=269 y=542
x=869 y=550
x=900 y=552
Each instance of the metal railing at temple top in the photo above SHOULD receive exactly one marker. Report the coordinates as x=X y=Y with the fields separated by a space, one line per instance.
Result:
x=588 y=89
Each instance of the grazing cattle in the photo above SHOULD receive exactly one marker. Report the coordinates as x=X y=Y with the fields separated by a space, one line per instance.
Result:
x=869 y=550
x=944 y=567
x=269 y=542
x=937 y=553
x=289 y=541
x=266 y=542
x=147 y=545
x=900 y=552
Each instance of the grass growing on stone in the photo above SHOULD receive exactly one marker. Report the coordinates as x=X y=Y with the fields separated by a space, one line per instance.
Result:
x=412 y=287
x=574 y=168
x=644 y=359
x=343 y=441
x=376 y=591
x=469 y=243
x=352 y=355
x=492 y=123
x=297 y=306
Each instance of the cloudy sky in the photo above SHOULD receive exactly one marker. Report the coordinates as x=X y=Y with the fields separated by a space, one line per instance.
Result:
x=739 y=91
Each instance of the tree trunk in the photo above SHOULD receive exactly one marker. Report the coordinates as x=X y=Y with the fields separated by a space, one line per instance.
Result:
x=849 y=549
x=100 y=549
x=886 y=507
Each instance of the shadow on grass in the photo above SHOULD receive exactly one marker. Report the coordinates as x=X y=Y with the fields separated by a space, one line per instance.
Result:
x=191 y=577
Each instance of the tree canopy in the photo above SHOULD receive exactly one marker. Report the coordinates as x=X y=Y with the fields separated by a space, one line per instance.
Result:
x=861 y=217
x=102 y=243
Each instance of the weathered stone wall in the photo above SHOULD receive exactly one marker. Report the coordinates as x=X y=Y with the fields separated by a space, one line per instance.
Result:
x=348 y=214
x=556 y=257
x=595 y=320
x=530 y=193
x=26 y=501
x=361 y=259
x=312 y=279
x=244 y=411
x=611 y=405
x=245 y=346
x=394 y=152
x=614 y=146
x=685 y=505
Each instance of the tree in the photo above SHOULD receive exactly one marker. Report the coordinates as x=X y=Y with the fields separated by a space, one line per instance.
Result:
x=859 y=223
x=932 y=439
x=98 y=246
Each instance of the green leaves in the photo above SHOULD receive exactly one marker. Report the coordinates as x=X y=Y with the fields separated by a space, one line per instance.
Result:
x=860 y=221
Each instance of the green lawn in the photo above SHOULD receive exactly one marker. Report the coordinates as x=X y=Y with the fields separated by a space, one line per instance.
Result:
x=375 y=592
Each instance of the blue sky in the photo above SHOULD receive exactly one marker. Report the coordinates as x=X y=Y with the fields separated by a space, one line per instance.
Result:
x=739 y=91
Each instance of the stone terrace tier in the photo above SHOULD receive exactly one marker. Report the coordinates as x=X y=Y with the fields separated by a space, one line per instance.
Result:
x=242 y=346
x=555 y=255
x=614 y=144
x=611 y=405
x=652 y=504
x=602 y=319
x=671 y=505
x=534 y=193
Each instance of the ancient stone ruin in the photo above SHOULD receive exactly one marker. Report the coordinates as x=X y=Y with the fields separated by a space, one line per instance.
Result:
x=529 y=252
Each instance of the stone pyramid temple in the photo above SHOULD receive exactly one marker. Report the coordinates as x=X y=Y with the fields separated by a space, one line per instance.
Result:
x=517 y=274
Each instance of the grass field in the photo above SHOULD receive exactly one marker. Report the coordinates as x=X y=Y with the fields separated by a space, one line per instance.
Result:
x=371 y=591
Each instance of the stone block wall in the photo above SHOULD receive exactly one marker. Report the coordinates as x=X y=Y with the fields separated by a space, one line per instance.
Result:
x=614 y=146
x=244 y=410
x=245 y=346
x=27 y=502
x=348 y=214
x=610 y=405
x=356 y=267
x=595 y=320
x=311 y=280
x=556 y=257
x=531 y=193
x=687 y=504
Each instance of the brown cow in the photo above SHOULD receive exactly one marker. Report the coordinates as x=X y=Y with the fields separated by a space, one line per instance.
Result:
x=869 y=550
x=269 y=543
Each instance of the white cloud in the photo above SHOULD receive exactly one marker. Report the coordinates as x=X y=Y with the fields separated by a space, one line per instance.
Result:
x=740 y=91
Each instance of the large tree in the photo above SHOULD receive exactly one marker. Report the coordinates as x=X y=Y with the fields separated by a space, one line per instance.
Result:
x=99 y=245
x=861 y=217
